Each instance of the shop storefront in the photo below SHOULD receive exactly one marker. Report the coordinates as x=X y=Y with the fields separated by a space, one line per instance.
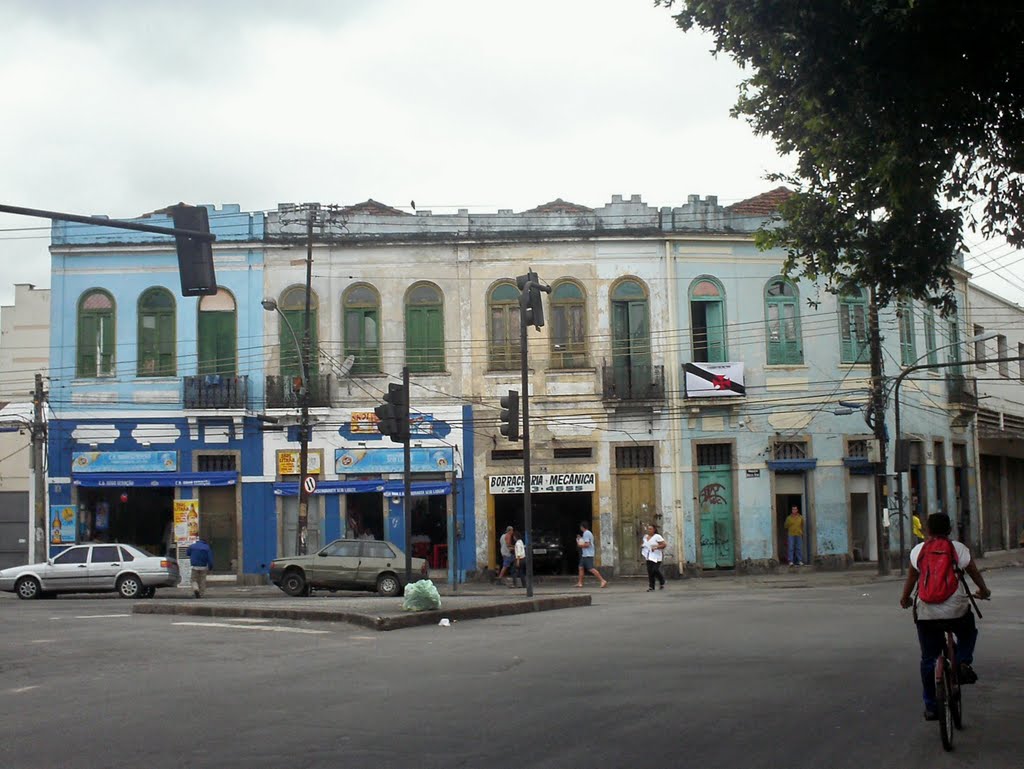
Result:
x=560 y=501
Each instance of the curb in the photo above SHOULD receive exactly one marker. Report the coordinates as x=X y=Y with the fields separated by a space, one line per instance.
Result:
x=373 y=622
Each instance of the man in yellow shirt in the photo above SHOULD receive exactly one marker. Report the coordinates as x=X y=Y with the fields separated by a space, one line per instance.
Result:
x=795 y=535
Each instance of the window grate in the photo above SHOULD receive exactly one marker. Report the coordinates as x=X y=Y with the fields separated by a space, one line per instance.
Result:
x=714 y=454
x=216 y=463
x=501 y=454
x=634 y=457
x=858 y=448
x=790 y=450
x=574 y=452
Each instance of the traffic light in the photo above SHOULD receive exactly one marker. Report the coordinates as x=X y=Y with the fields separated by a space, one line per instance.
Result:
x=510 y=415
x=530 y=301
x=393 y=415
x=195 y=257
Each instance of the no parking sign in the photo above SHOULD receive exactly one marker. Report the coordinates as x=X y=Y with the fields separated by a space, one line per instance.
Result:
x=309 y=484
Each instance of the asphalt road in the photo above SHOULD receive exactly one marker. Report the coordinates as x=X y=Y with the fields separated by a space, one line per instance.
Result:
x=822 y=677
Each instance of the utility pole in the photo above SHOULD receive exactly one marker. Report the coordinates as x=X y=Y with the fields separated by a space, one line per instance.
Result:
x=407 y=473
x=878 y=426
x=39 y=538
x=302 y=533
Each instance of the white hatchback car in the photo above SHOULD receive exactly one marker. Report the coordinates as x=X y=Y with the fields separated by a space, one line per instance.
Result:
x=95 y=568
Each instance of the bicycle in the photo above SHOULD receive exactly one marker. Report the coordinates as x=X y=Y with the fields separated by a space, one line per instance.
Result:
x=948 y=694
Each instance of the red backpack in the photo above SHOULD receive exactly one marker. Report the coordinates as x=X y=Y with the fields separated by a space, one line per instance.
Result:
x=937 y=566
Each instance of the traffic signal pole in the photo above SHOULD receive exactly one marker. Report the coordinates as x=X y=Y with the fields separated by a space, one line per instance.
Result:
x=407 y=475
x=527 y=502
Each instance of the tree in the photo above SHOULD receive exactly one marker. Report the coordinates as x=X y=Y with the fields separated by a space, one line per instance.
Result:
x=906 y=120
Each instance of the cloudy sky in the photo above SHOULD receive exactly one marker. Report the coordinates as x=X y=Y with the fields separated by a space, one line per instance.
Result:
x=119 y=107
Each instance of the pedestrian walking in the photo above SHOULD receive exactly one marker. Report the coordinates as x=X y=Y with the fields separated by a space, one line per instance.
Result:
x=506 y=545
x=201 y=557
x=795 y=536
x=585 y=542
x=653 y=550
x=519 y=556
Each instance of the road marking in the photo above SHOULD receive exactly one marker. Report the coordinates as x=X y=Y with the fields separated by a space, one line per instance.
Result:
x=22 y=689
x=43 y=641
x=273 y=628
x=250 y=619
x=100 y=616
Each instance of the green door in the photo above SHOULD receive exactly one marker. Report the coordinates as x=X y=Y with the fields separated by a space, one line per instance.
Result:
x=717 y=536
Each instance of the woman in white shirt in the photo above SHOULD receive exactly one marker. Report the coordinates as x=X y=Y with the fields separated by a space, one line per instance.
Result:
x=653 y=550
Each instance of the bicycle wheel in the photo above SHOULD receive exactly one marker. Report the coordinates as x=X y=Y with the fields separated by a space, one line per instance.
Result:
x=943 y=701
x=956 y=701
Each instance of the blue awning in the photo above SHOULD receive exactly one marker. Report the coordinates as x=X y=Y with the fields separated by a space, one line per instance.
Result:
x=124 y=480
x=791 y=465
x=859 y=465
x=291 y=488
x=419 y=488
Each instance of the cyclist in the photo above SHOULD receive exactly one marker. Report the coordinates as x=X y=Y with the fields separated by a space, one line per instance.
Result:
x=933 y=617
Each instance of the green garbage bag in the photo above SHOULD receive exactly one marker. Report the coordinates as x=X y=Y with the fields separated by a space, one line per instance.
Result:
x=421 y=596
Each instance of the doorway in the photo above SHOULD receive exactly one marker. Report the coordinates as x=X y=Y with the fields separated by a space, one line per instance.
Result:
x=715 y=506
x=785 y=501
x=290 y=525
x=217 y=526
x=556 y=522
x=364 y=514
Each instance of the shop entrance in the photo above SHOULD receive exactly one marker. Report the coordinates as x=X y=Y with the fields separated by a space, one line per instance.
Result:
x=290 y=524
x=863 y=544
x=430 y=529
x=136 y=516
x=365 y=515
x=556 y=522
x=217 y=526
x=789 y=493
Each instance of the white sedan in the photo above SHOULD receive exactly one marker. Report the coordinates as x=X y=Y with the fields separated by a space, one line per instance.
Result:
x=96 y=568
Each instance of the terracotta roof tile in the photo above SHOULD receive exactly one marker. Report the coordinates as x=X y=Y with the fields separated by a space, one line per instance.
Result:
x=559 y=206
x=765 y=204
x=373 y=208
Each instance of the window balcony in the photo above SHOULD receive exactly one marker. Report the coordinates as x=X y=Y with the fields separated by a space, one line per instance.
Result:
x=216 y=391
x=281 y=395
x=962 y=391
x=633 y=383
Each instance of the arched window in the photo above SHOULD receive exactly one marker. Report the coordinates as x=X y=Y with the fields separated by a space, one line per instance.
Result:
x=568 y=326
x=707 y=321
x=782 y=315
x=218 y=334
x=908 y=334
x=424 y=328
x=503 y=347
x=157 y=333
x=361 y=305
x=853 y=326
x=293 y=307
x=631 y=340
x=95 y=350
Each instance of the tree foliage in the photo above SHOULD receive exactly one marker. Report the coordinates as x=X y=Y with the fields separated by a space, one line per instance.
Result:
x=906 y=120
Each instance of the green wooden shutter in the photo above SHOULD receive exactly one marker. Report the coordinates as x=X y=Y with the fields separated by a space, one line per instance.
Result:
x=289 y=355
x=415 y=338
x=87 y=347
x=106 y=353
x=714 y=318
x=217 y=341
x=434 y=338
x=165 y=344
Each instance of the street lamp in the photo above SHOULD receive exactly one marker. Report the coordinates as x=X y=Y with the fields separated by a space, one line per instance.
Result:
x=896 y=395
x=270 y=305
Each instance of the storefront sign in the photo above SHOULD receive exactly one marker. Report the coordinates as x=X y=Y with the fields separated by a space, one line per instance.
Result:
x=63 y=523
x=288 y=462
x=186 y=521
x=423 y=460
x=364 y=423
x=124 y=461
x=543 y=483
x=714 y=380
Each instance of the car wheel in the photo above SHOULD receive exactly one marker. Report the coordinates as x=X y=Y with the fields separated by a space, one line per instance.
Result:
x=28 y=588
x=130 y=586
x=294 y=584
x=388 y=584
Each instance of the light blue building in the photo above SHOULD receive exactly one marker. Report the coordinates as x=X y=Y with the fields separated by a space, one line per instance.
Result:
x=155 y=395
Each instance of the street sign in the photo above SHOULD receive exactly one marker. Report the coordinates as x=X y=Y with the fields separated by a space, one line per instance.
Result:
x=309 y=484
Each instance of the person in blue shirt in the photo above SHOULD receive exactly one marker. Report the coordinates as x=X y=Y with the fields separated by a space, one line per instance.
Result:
x=201 y=558
x=585 y=542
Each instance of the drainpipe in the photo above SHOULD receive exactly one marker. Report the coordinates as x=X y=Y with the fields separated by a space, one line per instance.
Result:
x=674 y=407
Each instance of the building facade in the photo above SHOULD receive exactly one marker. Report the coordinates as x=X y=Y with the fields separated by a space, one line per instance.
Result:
x=1000 y=389
x=680 y=379
x=24 y=341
